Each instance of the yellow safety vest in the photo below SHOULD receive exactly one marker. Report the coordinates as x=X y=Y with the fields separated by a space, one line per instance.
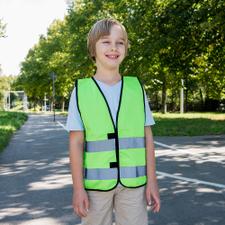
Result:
x=113 y=153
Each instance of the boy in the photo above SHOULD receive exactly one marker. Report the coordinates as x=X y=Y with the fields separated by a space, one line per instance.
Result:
x=111 y=145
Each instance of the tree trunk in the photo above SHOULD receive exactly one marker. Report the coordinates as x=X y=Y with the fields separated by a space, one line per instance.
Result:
x=202 y=99
x=63 y=104
x=157 y=101
x=186 y=94
x=51 y=106
x=164 y=106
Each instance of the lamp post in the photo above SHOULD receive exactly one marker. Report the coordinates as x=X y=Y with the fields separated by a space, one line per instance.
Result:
x=53 y=76
x=45 y=105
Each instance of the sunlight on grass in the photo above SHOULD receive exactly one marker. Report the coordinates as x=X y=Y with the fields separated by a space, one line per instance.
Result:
x=189 y=124
x=9 y=123
x=212 y=116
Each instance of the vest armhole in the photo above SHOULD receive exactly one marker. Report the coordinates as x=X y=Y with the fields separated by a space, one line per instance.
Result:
x=75 y=84
x=142 y=88
x=77 y=100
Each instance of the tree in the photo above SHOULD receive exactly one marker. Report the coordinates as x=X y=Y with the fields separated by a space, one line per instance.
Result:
x=170 y=40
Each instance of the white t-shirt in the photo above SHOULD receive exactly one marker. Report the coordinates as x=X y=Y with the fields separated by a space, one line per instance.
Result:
x=112 y=95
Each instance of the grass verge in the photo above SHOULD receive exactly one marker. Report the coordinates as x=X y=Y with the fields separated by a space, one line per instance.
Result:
x=9 y=123
x=189 y=124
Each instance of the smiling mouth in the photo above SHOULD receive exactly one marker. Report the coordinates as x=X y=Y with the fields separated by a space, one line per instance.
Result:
x=112 y=56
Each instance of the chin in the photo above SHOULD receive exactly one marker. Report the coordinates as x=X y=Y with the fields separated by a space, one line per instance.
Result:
x=112 y=66
x=115 y=63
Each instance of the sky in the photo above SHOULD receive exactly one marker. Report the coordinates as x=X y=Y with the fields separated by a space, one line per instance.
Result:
x=26 y=20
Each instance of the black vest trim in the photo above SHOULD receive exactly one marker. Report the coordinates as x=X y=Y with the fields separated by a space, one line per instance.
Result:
x=114 y=125
x=77 y=100
x=115 y=135
x=114 y=187
x=114 y=165
x=111 y=135
x=143 y=96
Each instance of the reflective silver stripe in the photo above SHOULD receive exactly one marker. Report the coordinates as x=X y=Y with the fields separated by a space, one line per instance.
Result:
x=125 y=143
x=132 y=172
x=111 y=173
x=101 y=174
x=109 y=145
x=100 y=146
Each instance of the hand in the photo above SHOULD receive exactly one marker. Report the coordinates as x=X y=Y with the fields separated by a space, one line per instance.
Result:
x=80 y=202
x=152 y=196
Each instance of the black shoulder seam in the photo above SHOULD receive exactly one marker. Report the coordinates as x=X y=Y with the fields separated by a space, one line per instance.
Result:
x=139 y=81
x=77 y=99
x=75 y=85
x=142 y=88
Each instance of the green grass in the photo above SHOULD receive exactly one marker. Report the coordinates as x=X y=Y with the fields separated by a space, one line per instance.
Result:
x=188 y=124
x=9 y=123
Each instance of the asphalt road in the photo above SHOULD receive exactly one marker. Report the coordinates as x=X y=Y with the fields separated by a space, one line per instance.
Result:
x=36 y=185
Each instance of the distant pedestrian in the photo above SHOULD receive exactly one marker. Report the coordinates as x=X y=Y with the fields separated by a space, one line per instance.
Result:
x=111 y=145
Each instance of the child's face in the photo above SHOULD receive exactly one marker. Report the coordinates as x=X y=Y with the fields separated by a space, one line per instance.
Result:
x=110 y=50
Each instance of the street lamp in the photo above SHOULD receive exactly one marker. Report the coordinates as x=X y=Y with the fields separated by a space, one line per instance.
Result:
x=53 y=76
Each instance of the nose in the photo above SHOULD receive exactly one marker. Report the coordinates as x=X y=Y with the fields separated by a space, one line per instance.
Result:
x=113 y=47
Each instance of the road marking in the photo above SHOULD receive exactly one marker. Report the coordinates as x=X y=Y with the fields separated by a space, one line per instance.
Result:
x=179 y=151
x=172 y=175
x=164 y=145
x=191 y=180
x=62 y=125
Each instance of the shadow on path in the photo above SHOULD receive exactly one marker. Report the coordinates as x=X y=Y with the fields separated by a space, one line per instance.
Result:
x=35 y=178
x=36 y=185
x=184 y=202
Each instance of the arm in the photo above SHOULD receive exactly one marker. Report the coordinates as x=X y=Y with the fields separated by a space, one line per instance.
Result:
x=80 y=198
x=152 y=190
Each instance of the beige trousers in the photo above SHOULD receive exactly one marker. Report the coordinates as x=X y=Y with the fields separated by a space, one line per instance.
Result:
x=128 y=204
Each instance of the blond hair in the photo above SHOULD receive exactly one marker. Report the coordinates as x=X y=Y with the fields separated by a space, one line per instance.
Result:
x=102 y=28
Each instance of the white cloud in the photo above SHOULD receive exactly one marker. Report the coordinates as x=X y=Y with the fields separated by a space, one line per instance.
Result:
x=26 y=20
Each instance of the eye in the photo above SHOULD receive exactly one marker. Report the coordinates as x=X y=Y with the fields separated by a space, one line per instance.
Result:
x=105 y=42
x=121 y=43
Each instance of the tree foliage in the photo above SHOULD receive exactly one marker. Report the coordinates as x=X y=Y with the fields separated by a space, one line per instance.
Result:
x=170 y=40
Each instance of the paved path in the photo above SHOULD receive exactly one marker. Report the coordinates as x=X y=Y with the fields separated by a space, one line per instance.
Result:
x=35 y=181
x=193 y=187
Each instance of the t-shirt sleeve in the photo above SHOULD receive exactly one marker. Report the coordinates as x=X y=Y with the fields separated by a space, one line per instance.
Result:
x=149 y=121
x=74 y=121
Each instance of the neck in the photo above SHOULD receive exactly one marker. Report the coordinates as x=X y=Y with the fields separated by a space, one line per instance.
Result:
x=108 y=76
